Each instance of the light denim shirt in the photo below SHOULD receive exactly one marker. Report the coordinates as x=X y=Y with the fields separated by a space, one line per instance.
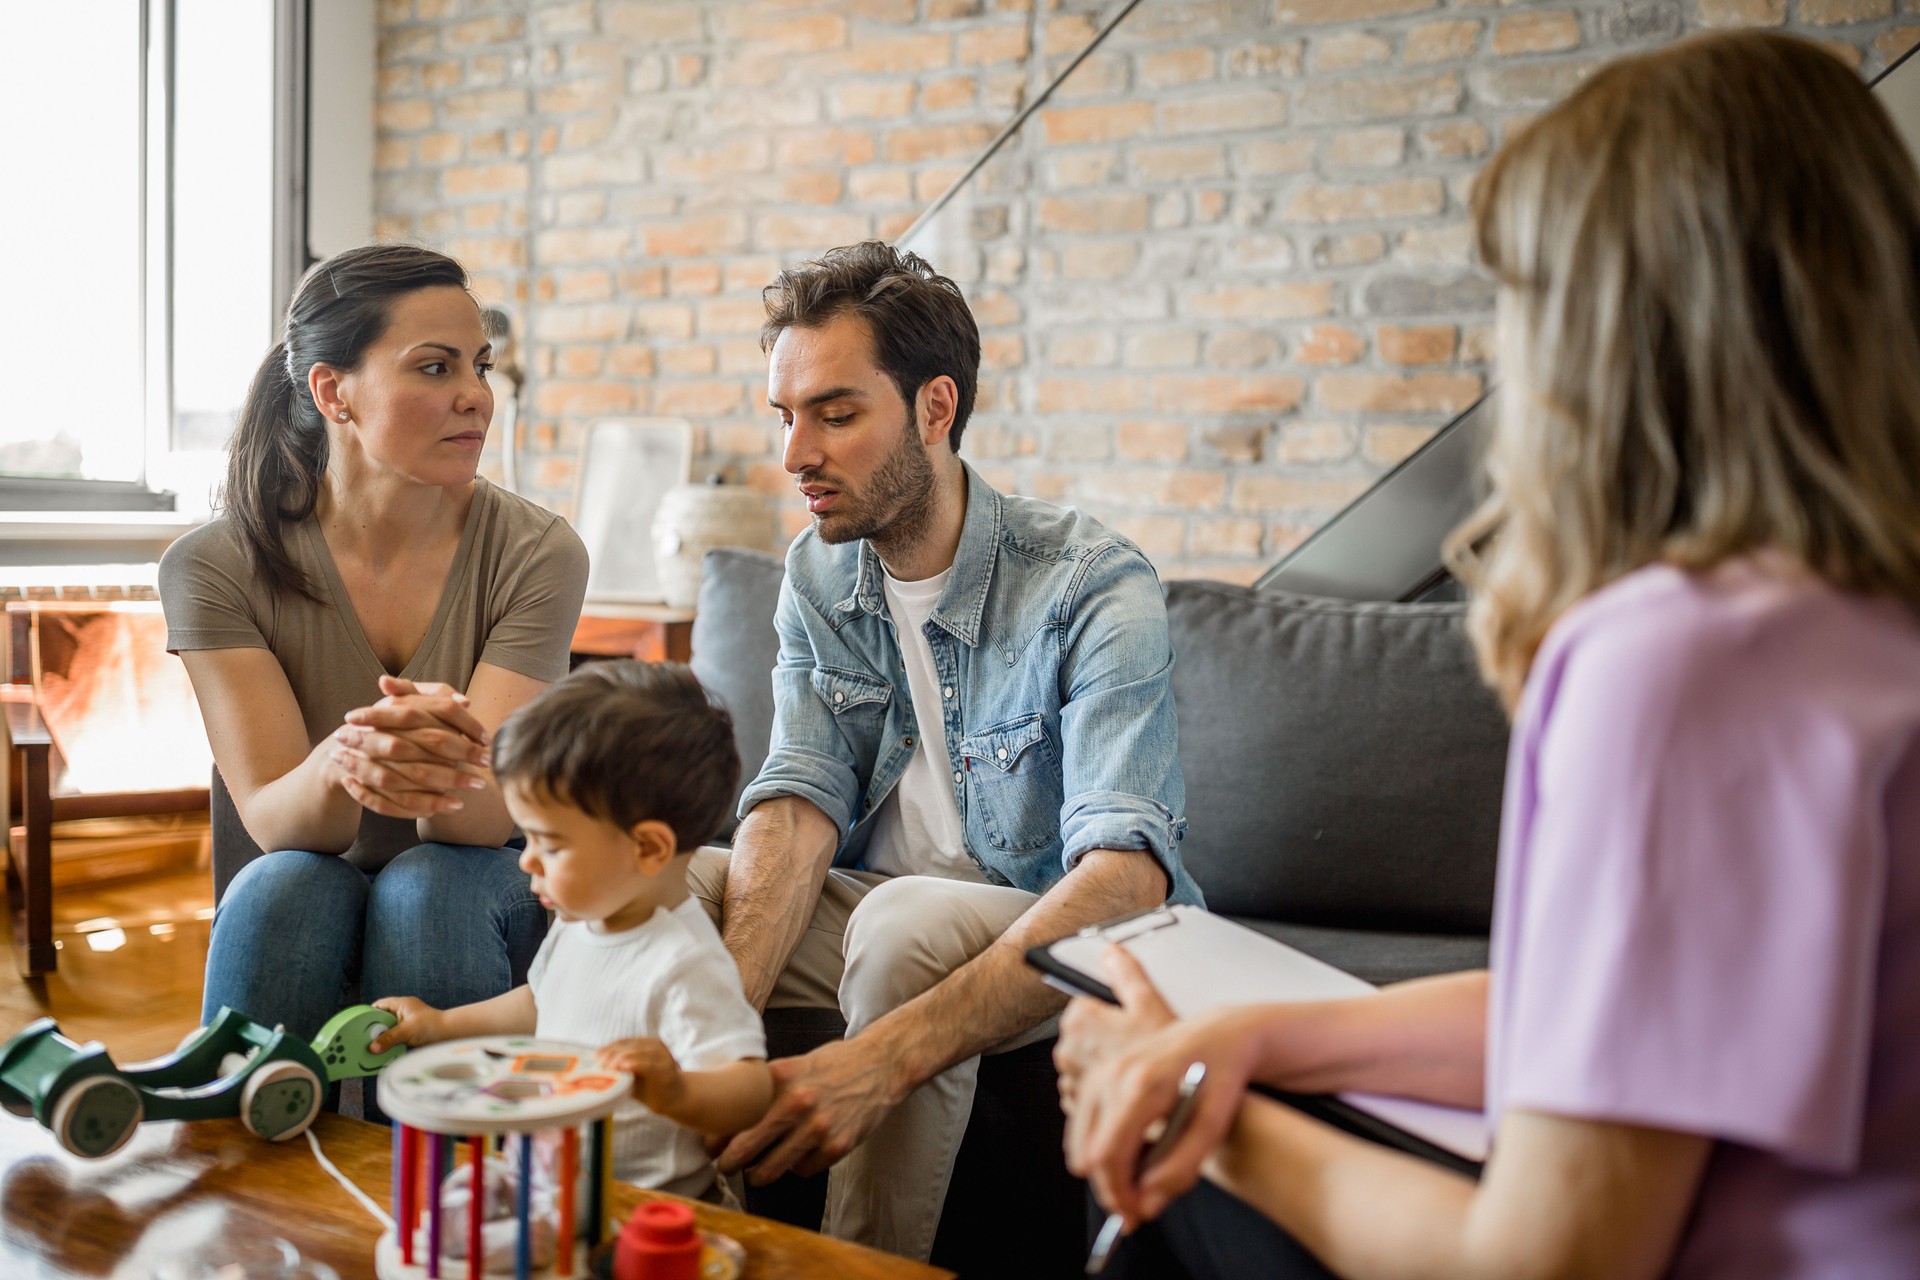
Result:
x=1050 y=640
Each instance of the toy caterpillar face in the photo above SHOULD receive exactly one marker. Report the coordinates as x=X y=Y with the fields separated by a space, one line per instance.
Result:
x=344 y=1044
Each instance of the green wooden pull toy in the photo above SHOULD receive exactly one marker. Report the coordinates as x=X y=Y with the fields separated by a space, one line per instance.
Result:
x=93 y=1106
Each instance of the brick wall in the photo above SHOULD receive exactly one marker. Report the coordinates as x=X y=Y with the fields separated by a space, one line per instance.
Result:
x=1222 y=276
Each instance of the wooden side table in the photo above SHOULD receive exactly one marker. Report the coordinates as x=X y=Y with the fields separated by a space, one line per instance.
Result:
x=29 y=795
x=30 y=877
x=643 y=632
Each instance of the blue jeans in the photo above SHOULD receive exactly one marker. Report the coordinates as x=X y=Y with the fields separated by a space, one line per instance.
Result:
x=300 y=936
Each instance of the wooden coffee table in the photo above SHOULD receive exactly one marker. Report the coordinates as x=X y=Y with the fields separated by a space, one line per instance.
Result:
x=176 y=1186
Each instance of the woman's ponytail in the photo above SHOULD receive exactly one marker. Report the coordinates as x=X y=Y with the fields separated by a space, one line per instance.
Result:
x=278 y=456
x=274 y=466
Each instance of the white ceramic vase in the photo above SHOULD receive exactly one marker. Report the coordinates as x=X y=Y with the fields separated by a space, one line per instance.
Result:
x=695 y=518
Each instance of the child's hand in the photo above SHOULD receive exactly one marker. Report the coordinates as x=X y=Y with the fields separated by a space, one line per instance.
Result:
x=420 y=1023
x=657 y=1080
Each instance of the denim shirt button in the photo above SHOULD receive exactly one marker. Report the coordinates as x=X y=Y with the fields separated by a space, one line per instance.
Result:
x=1001 y=753
x=956 y=776
x=948 y=691
x=909 y=741
x=839 y=697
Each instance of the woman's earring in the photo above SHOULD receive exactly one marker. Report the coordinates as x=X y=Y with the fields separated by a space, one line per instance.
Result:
x=342 y=415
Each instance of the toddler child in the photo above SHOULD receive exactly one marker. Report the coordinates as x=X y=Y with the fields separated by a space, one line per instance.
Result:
x=616 y=775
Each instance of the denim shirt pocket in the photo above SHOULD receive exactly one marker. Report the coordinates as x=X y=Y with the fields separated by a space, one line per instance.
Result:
x=1014 y=777
x=844 y=691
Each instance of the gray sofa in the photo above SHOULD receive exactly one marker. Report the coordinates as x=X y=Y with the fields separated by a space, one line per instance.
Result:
x=1343 y=765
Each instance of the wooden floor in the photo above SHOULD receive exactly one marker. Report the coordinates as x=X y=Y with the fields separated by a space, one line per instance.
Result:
x=132 y=953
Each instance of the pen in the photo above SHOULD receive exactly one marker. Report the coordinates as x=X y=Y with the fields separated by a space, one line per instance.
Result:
x=1183 y=1107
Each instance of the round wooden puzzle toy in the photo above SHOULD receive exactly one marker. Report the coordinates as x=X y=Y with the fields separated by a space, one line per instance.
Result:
x=502 y=1159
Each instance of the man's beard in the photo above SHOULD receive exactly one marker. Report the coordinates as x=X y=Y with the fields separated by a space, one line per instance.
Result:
x=897 y=504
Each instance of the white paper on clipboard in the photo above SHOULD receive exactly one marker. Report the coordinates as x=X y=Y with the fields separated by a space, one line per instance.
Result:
x=1201 y=961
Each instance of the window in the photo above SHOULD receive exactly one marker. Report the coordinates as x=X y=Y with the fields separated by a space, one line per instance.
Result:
x=142 y=258
x=222 y=224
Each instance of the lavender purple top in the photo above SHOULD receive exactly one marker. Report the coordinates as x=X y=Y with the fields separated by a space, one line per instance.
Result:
x=1708 y=915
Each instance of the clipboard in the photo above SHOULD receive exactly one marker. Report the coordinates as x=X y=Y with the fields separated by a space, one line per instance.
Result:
x=1201 y=961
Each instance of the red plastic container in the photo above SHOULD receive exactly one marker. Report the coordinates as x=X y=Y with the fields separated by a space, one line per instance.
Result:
x=658 y=1243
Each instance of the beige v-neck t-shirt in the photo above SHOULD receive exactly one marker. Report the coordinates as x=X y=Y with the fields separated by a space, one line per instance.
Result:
x=512 y=598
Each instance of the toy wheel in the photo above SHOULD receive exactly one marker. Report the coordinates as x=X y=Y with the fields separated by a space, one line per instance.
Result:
x=96 y=1116
x=280 y=1100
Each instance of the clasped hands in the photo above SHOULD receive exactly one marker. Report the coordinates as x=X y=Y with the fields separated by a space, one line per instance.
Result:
x=413 y=754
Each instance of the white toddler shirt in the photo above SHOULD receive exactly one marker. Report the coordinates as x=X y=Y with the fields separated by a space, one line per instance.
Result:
x=917 y=829
x=671 y=978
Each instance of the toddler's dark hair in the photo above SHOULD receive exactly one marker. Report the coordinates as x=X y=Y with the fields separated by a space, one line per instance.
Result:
x=627 y=742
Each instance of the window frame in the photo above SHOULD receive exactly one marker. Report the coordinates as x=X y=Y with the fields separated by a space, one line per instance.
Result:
x=56 y=501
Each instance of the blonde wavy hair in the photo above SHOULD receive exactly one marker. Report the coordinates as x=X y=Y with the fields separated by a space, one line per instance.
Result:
x=1709 y=260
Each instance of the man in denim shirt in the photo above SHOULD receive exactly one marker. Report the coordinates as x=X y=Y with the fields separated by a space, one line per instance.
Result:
x=973 y=748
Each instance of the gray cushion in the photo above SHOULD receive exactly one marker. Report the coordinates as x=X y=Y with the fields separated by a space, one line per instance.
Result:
x=1343 y=761
x=735 y=646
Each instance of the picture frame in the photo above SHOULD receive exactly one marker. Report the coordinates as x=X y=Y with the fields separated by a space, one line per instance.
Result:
x=627 y=465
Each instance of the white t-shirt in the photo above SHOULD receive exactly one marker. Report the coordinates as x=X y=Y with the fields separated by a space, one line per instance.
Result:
x=917 y=830
x=671 y=978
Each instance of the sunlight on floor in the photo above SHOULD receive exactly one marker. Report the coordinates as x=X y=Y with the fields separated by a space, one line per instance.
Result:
x=132 y=953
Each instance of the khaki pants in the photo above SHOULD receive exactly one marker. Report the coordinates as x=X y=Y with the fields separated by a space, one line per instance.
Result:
x=874 y=943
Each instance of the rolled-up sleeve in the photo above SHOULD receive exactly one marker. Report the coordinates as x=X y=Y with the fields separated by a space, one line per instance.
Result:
x=1119 y=739
x=809 y=757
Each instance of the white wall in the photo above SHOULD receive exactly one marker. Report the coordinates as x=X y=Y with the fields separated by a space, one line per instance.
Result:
x=340 y=124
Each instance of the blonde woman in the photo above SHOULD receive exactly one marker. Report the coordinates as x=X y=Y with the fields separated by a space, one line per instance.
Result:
x=1696 y=586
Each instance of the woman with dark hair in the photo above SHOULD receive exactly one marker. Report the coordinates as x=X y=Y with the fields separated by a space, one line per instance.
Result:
x=1697 y=587
x=363 y=613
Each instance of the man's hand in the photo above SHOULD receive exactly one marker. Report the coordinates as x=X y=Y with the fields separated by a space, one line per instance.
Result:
x=420 y=1023
x=825 y=1103
x=658 y=1083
